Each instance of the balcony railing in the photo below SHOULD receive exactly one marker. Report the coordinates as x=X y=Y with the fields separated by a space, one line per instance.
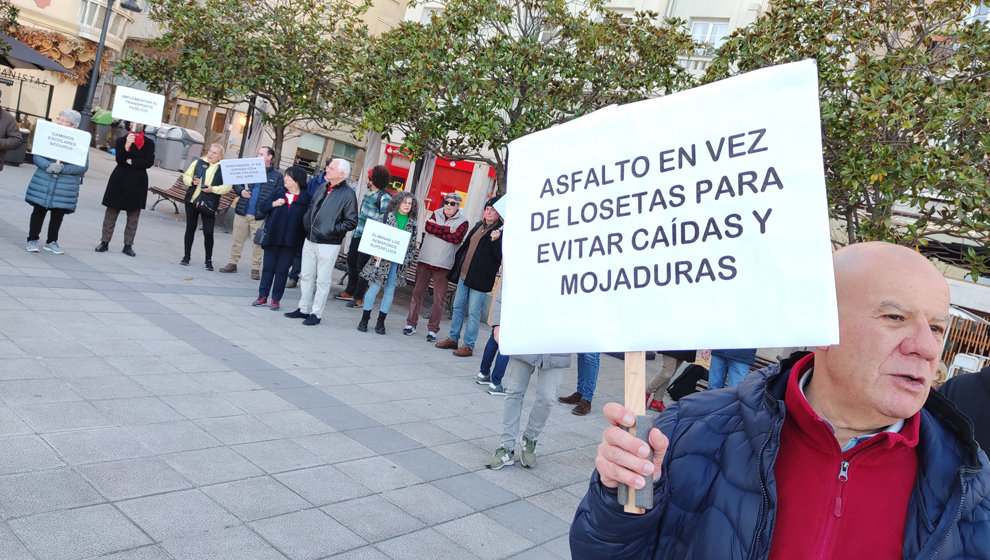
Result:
x=91 y=23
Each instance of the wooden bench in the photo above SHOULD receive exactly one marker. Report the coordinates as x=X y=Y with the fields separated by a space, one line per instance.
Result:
x=177 y=193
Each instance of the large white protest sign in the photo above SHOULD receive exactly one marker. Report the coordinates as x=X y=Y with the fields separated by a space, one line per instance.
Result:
x=138 y=106
x=385 y=241
x=58 y=142
x=696 y=220
x=243 y=171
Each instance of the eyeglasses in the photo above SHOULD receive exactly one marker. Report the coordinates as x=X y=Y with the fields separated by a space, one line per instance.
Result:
x=451 y=203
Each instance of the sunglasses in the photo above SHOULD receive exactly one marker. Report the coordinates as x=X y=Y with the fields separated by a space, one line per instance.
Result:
x=451 y=203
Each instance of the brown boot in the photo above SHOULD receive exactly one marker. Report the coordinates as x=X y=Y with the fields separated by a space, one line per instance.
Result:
x=573 y=398
x=228 y=268
x=463 y=352
x=447 y=344
x=582 y=408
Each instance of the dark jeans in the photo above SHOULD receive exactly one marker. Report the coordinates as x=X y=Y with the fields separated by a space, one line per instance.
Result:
x=38 y=218
x=192 y=220
x=356 y=260
x=491 y=353
x=275 y=271
x=296 y=265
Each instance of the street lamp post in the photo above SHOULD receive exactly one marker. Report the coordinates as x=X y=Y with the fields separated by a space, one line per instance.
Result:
x=94 y=76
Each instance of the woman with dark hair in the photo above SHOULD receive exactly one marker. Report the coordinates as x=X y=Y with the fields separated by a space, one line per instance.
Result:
x=282 y=235
x=401 y=213
x=127 y=188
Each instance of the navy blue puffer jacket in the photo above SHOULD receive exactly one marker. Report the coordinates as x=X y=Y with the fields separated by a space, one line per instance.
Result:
x=718 y=499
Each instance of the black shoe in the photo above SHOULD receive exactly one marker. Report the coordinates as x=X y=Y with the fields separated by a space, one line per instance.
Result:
x=312 y=320
x=363 y=324
x=209 y=266
x=128 y=251
x=297 y=314
x=184 y=261
x=102 y=247
x=380 y=327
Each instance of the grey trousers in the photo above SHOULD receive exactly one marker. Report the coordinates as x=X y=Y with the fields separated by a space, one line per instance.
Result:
x=516 y=381
x=658 y=385
x=110 y=222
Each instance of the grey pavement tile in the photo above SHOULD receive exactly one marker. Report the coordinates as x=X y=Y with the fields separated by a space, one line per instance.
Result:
x=154 y=552
x=373 y=518
x=306 y=535
x=428 y=503
x=37 y=391
x=426 y=433
x=9 y=349
x=116 y=387
x=383 y=440
x=465 y=453
x=529 y=521
x=78 y=533
x=177 y=513
x=289 y=423
x=171 y=437
x=139 y=410
x=578 y=489
x=307 y=397
x=329 y=376
x=278 y=455
x=468 y=429
x=483 y=536
x=193 y=362
x=133 y=478
x=202 y=406
x=11 y=548
x=58 y=346
x=322 y=485
x=73 y=368
x=96 y=444
x=226 y=381
x=256 y=498
x=11 y=424
x=35 y=492
x=52 y=417
x=334 y=447
x=344 y=417
x=363 y=553
x=257 y=401
x=378 y=473
x=167 y=350
x=141 y=365
x=427 y=464
x=212 y=466
x=425 y=543
x=475 y=491
x=271 y=378
x=23 y=368
x=237 y=429
x=558 y=502
x=367 y=393
x=229 y=543
x=519 y=480
x=162 y=384
x=28 y=453
x=557 y=548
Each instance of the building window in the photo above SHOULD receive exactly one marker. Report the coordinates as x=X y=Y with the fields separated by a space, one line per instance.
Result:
x=219 y=121
x=186 y=115
x=710 y=32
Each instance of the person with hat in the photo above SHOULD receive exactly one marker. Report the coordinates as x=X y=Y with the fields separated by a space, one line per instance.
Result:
x=476 y=265
x=445 y=229
x=127 y=188
x=373 y=207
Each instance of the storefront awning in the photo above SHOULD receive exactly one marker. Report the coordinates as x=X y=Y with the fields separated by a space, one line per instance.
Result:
x=23 y=56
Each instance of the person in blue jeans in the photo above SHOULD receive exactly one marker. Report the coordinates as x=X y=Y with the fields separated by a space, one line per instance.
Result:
x=383 y=275
x=492 y=376
x=731 y=364
x=587 y=380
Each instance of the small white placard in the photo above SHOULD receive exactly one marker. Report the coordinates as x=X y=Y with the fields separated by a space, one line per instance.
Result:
x=55 y=141
x=138 y=106
x=244 y=171
x=695 y=220
x=385 y=241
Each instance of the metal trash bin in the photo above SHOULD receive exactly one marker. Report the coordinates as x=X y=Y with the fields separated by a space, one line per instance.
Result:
x=17 y=155
x=192 y=143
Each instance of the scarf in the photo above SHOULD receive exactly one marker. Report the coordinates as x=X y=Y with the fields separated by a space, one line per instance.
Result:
x=139 y=140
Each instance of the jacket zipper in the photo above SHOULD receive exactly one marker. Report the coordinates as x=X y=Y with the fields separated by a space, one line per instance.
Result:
x=765 y=504
x=962 y=497
x=843 y=477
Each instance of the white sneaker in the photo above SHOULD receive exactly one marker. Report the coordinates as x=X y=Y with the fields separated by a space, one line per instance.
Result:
x=32 y=246
x=409 y=330
x=54 y=248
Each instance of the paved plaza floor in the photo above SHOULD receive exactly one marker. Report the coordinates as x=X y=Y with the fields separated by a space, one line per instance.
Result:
x=148 y=412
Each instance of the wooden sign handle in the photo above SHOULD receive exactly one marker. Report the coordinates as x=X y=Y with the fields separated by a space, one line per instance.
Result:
x=635 y=401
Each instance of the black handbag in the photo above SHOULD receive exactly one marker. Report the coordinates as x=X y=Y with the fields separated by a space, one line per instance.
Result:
x=261 y=235
x=208 y=205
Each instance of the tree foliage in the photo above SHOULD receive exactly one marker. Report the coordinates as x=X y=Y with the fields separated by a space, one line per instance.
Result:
x=8 y=21
x=293 y=54
x=905 y=104
x=482 y=73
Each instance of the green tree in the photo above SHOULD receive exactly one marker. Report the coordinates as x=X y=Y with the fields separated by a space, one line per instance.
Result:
x=905 y=103
x=8 y=21
x=292 y=54
x=485 y=72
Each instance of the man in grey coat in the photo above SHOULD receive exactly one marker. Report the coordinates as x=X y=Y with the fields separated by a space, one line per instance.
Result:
x=10 y=135
x=548 y=368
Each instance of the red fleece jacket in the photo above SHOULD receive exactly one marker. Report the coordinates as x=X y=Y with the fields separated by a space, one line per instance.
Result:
x=839 y=505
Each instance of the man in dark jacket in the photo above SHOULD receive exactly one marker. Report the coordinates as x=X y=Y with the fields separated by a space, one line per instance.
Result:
x=481 y=256
x=248 y=219
x=971 y=395
x=845 y=454
x=10 y=135
x=331 y=214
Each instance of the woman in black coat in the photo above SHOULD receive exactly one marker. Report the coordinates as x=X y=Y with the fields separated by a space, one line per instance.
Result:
x=283 y=234
x=127 y=188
